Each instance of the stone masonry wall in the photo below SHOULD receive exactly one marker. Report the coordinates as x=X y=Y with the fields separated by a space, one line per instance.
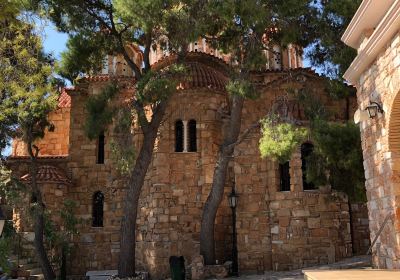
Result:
x=381 y=151
x=270 y=225
x=96 y=248
x=54 y=143
x=360 y=231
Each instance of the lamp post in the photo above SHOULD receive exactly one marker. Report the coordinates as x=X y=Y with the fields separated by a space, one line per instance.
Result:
x=2 y=221
x=232 y=199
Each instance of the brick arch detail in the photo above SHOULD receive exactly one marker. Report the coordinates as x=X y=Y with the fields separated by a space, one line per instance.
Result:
x=394 y=125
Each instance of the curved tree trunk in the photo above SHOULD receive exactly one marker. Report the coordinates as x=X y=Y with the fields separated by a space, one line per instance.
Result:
x=38 y=241
x=126 y=265
x=207 y=243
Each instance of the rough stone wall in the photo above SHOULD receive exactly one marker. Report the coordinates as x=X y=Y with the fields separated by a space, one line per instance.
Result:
x=177 y=185
x=381 y=151
x=360 y=231
x=54 y=143
x=96 y=248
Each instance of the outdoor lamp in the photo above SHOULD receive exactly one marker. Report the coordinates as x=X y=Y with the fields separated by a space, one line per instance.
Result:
x=2 y=221
x=373 y=109
x=232 y=199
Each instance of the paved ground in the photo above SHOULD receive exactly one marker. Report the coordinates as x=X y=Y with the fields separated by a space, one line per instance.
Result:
x=350 y=263
x=353 y=274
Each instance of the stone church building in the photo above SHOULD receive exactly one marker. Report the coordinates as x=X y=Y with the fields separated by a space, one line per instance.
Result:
x=282 y=222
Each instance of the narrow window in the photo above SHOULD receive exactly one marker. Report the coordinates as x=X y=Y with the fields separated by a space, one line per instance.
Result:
x=284 y=175
x=192 y=136
x=97 y=211
x=179 y=136
x=306 y=150
x=100 y=148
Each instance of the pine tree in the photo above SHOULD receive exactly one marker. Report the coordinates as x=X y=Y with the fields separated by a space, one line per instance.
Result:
x=245 y=29
x=26 y=100
x=101 y=27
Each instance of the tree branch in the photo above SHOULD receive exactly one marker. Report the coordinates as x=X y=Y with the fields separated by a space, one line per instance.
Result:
x=244 y=134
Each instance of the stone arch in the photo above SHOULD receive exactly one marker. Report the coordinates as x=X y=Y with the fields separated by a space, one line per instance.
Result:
x=394 y=125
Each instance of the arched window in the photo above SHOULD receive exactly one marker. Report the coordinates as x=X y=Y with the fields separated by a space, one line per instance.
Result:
x=179 y=136
x=284 y=177
x=192 y=136
x=306 y=150
x=97 y=211
x=100 y=148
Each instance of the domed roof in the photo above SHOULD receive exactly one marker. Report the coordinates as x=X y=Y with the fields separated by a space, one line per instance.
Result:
x=48 y=174
x=203 y=71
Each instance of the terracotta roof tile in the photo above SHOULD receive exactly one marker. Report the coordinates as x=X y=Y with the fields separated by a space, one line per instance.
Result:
x=107 y=77
x=64 y=100
x=203 y=71
x=49 y=174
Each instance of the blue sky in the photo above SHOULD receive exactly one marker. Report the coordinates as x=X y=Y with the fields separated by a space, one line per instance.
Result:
x=54 y=42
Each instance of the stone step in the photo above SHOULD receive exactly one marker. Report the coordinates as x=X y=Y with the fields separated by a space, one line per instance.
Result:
x=362 y=261
x=36 y=277
x=35 y=271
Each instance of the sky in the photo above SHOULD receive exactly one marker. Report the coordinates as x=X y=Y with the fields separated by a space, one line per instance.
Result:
x=54 y=42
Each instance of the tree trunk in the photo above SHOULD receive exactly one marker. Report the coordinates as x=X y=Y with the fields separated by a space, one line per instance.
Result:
x=126 y=265
x=207 y=243
x=44 y=262
x=38 y=241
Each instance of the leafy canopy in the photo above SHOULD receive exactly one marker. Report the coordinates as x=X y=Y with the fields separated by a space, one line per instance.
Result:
x=26 y=96
x=280 y=139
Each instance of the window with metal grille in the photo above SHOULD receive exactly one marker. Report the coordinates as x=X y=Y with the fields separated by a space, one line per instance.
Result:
x=284 y=176
x=192 y=136
x=306 y=151
x=97 y=211
x=100 y=148
x=179 y=136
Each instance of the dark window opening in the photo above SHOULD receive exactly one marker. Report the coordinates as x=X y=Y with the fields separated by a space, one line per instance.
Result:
x=192 y=136
x=100 y=149
x=306 y=151
x=97 y=211
x=34 y=198
x=179 y=136
x=284 y=176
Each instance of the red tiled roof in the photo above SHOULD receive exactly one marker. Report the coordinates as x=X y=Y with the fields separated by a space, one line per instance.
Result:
x=64 y=100
x=48 y=174
x=39 y=157
x=203 y=76
x=107 y=77
x=203 y=71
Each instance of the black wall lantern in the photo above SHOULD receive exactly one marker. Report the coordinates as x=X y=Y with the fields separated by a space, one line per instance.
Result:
x=373 y=109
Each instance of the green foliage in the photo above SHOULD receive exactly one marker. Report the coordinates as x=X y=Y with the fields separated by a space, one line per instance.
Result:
x=243 y=88
x=327 y=26
x=279 y=140
x=5 y=252
x=83 y=55
x=122 y=153
x=25 y=94
x=100 y=113
x=312 y=105
x=337 y=158
x=156 y=86
x=58 y=237
x=11 y=189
